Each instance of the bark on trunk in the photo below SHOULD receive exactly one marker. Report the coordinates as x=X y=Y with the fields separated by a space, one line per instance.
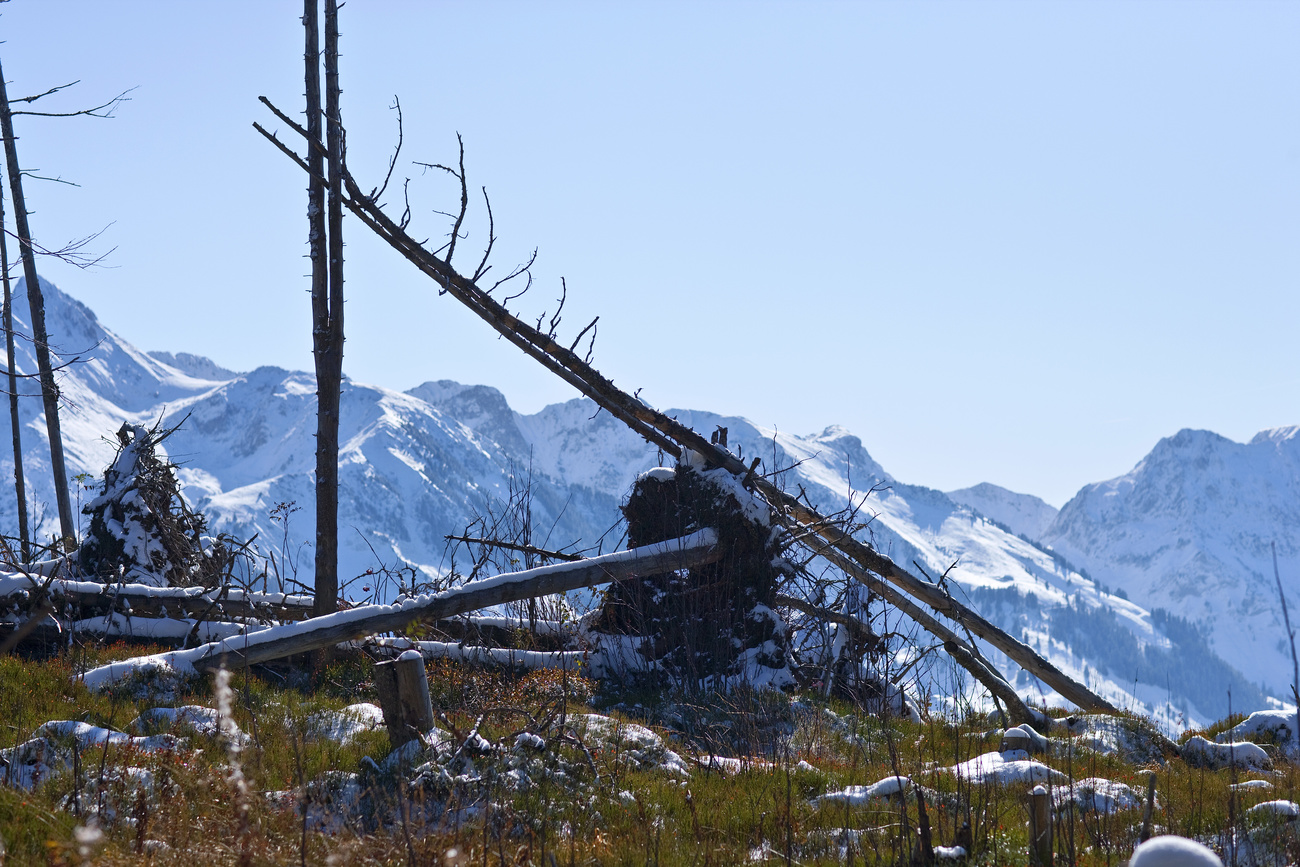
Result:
x=326 y=552
x=20 y=487
x=36 y=300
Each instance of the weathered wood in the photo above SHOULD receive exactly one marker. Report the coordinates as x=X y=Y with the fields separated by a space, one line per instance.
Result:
x=403 y=689
x=853 y=624
x=15 y=423
x=1148 y=807
x=413 y=692
x=386 y=691
x=40 y=336
x=694 y=550
x=197 y=603
x=1040 y=827
x=505 y=657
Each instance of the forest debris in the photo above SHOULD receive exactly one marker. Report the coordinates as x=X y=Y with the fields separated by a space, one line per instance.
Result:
x=711 y=624
x=280 y=641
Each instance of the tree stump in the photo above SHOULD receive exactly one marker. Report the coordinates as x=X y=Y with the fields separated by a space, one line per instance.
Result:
x=403 y=689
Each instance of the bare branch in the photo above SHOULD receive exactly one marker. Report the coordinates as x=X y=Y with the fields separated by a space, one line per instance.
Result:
x=590 y=325
x=104 y=110
x=396 y=106
x=69 y=253
x=555 y=320
x=521 y=269
x=285 y=149
x=31 y=173
x=55 y=89
x=483 y=266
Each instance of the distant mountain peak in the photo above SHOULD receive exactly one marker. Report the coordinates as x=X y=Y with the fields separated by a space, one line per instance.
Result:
x=1190 y=529
x=1025 y=514
x=196 y=366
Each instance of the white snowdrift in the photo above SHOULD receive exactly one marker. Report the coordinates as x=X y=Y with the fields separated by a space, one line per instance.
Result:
x=1013 y=766
x=1199 y=752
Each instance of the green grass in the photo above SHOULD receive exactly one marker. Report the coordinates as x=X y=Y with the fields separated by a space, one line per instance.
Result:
x=589 y=803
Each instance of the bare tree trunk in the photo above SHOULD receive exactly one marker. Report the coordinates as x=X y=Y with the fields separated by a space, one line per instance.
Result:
x=326 y=293
x=20 y=488
x=330 y=384
x=49 y=388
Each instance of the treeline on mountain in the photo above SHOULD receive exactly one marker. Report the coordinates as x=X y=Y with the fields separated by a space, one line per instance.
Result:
x=1188 y=668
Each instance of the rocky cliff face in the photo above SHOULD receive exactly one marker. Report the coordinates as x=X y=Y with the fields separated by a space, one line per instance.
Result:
x=1190 y=530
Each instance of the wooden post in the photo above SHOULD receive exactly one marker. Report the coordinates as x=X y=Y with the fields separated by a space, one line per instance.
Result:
x=1040 y=827
x=1150 y=805
x=404 y=697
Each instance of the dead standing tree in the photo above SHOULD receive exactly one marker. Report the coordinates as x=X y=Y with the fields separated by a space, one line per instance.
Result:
x=49 y=388
x=821 y=535
x=20 y=487
x=28 y=250
x=326 y=252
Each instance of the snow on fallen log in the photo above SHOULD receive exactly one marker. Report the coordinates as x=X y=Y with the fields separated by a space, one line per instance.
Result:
x=159 y=628
x=280 y=641
x=533 y=660
x=229 y=600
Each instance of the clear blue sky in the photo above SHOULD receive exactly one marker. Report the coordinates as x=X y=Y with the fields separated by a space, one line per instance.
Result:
x=1008 y=242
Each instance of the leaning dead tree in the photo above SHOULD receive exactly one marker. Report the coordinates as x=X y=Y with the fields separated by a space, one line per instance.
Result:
x=821 y=534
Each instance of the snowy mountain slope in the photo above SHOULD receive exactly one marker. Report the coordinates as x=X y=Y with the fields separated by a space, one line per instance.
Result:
x=1025 y=514
x=409 y=474
x=1189 y=530
x=418 y=465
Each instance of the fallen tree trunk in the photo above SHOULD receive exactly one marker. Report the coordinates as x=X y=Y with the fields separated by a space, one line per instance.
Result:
x=673 y=437
x=277 y=642
x=532 y=660
x=145 y=599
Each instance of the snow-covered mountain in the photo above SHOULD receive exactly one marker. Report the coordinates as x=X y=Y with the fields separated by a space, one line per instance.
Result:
x=1190 y=530
x=1024 y=514
x=416 y=466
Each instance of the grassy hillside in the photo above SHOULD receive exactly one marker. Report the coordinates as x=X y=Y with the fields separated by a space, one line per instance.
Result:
x=548 y=768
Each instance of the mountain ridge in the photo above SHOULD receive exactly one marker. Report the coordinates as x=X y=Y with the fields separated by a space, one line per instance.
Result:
x=418 y=465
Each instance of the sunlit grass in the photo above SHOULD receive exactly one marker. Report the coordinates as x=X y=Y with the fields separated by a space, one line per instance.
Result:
x=600 y=809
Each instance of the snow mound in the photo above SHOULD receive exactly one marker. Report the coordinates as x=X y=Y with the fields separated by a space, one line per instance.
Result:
x=1277 y=725
x=1252 y=786
x=1136 y=741
x=49 y=753
x=857 y=796
x=1198 y=752
x=343 y=726
x=195 y=718
x=1171 y=851
x=1013 y=766
x=1286 y=810
x=634 y=743
x=1096 y=795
